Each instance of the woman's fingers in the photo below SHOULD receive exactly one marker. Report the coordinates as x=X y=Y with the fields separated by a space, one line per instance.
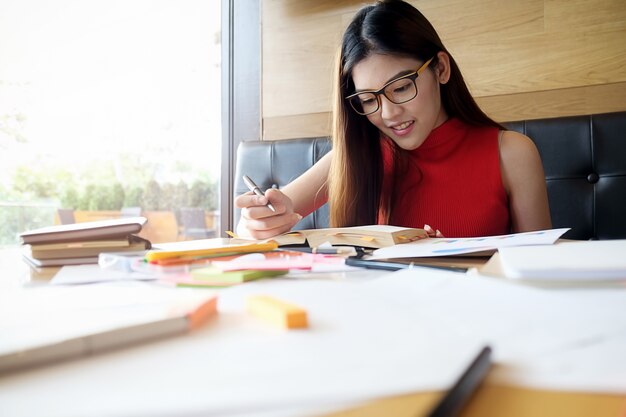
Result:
x=255 y=207
x=250 y=200
x=267 y=222
x=280 y=202
x=259 y=221
x=271 y=226
x=431 y=232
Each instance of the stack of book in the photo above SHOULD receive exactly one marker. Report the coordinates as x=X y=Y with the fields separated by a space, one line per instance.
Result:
x=82 y=243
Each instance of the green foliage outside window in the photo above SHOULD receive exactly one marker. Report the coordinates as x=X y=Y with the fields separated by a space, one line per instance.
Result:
x=36 y=193
x=104 y=192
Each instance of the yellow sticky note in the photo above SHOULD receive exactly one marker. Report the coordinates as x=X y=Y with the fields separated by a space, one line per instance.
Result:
x=277 y=312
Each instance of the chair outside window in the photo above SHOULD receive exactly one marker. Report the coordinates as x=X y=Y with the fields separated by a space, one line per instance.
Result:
x=66 y=216
x=130 y=212
x=193 y=221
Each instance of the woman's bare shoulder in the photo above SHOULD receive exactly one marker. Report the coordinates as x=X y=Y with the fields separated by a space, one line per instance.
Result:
x=517 y=147
x=524 y=180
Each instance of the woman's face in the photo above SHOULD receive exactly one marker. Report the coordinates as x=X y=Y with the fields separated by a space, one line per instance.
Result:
x=407 y=124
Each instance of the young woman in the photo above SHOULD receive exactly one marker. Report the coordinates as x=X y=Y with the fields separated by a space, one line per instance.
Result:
x=410 y=145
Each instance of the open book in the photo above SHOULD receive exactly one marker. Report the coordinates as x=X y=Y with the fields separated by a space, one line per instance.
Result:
x=370 y=236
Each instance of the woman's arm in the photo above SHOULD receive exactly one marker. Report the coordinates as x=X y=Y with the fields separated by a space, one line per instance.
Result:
x=297 y=199
x=525 y=183
x=309 y=191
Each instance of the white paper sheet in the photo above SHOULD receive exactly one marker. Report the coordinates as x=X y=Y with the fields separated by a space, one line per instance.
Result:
x=402 y=332
x=86 y=274
x=358 y=347
x=566 y=339
x=460 y=246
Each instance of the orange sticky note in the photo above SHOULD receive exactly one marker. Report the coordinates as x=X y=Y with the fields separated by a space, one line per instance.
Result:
x=277 y=312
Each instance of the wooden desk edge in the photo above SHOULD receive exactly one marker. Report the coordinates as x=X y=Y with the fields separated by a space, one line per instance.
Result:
x=497 y=401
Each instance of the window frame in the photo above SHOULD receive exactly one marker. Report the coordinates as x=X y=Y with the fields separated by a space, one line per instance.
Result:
x=241 y=92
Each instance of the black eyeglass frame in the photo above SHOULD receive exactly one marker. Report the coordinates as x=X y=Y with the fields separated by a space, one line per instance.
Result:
x=377 y=93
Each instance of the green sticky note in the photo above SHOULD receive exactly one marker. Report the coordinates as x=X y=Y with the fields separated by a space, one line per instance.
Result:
x=214 y=276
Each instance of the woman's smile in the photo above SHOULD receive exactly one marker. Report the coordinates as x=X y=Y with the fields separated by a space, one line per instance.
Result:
x=403 y=128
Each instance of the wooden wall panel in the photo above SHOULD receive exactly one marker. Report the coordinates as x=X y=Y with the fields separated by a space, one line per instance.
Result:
x=540 y=62
x=298 y=55
x=522 y=60
x=605 y=98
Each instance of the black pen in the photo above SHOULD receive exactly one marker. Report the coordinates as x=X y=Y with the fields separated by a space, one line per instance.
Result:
x=256 y=190
x=453 y=401
x=394 y=264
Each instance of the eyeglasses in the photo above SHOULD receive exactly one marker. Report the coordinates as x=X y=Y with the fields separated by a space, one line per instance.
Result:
x=397 y=91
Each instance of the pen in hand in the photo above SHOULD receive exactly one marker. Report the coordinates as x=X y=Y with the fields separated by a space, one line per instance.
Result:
x=256 y=190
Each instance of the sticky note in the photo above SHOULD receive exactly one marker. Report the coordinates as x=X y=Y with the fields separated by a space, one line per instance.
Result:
x=210 y=276
x=277 y=312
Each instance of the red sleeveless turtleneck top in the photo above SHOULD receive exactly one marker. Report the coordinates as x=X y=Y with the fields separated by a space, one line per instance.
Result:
x=452 y=182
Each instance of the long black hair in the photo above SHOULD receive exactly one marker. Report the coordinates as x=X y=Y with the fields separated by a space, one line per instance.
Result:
x=391 y=27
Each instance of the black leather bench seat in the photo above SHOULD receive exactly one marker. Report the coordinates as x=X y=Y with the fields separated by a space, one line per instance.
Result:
x=584 y=159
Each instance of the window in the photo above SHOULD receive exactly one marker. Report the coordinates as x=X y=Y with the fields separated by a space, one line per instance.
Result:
x=109 y=108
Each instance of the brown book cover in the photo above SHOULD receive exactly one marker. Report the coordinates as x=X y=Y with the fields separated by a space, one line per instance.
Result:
x=78 y=249
x=97 y=230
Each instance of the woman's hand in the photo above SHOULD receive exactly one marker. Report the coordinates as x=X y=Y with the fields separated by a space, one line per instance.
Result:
x=432 y=233
x=259 y=221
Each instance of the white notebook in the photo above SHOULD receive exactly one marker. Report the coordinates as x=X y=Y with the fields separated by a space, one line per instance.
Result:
x=585 y=260
x=52 y=323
